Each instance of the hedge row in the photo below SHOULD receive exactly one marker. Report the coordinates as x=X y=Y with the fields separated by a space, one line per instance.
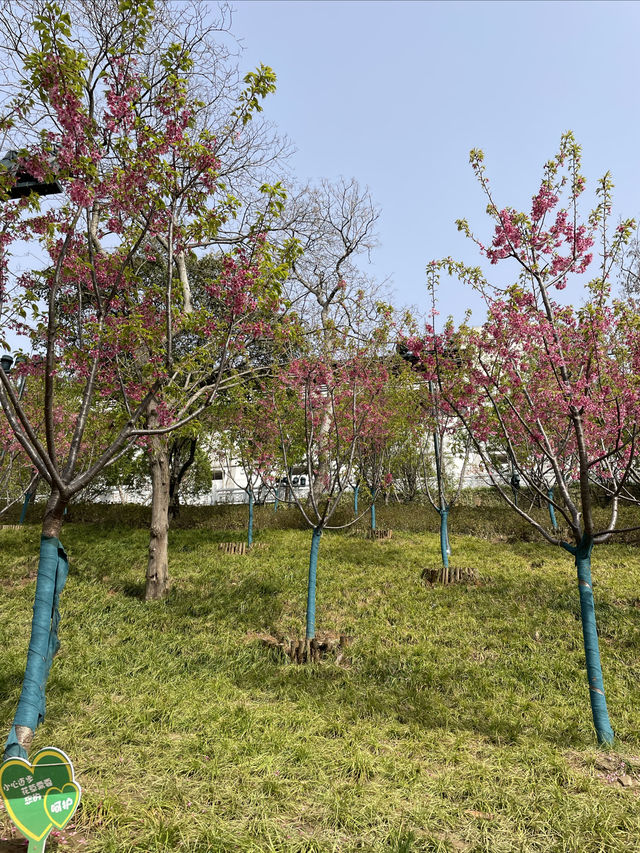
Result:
x=480 y=514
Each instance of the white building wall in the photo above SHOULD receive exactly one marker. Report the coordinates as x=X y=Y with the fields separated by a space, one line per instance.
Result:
x=228 y=487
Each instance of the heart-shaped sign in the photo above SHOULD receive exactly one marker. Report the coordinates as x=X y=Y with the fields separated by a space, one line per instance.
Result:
x=40 y=794
x=60 y=803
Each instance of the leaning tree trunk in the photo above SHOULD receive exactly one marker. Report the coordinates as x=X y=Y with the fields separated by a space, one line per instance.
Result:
x=591 y=647
x=157 y=584
x=582 y=554
x=53 y=568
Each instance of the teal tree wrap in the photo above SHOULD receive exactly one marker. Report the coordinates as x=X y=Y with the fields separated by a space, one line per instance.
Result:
x=25 y=506
x=311 y=585
x=53 y=569
x=250 y=526
x=444 y=537
x=552 y=512
x=582 y=554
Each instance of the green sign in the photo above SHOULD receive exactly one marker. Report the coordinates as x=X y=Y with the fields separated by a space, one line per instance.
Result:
x=39 y=795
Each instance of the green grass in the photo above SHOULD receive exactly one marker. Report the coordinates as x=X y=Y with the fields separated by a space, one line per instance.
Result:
x=459 y=721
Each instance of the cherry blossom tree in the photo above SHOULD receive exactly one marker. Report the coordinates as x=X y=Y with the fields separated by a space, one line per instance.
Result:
x=444 y=430
x=394 y=414
x=324 y=412
x=334 y=225
x=140 y=173
x=545 y=380
x=436 y=418
x=248 y=440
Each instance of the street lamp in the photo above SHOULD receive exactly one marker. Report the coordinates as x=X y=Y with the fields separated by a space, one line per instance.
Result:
x=6 y=363
x=24 y=182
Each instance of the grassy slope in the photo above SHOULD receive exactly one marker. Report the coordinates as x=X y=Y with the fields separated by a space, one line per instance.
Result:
x=459 y=722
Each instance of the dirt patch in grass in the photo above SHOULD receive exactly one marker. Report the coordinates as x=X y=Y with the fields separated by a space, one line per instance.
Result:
x=609 y=768
x=450 y=575
x=328 y=645
x=12 y=846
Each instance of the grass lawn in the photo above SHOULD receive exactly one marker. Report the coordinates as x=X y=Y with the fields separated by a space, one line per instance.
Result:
x=458 y=720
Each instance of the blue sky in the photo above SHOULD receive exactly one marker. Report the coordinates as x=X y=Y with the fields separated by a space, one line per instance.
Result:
x=396 y=93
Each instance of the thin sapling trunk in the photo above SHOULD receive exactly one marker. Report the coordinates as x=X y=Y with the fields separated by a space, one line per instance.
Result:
x=600 y=714
x=311 y=583
x=53 y=568
x=250 y=520
x=552 y=513
x=444 y=538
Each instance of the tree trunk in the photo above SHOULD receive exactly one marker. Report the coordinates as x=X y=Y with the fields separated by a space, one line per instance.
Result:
x=445 y=549
x=29 y=495
x=448 y=541
x=158 y=567
x=174 y=501
x=178 y=469
x=250 y=524
x=373 y=516
x=25 y=505
x=53 y=568
x=591 y=647
x=311 y=585
x=552 y=513
x=319 y=485
x=444 y=537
